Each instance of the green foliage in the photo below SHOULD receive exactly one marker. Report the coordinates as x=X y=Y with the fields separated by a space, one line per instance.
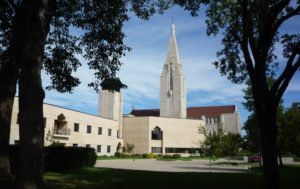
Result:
x=230 y=145
x=129 y=147
x=113 y=84
x=59 y=158
x=288 y=131
x=220 y=144
x=176 y=156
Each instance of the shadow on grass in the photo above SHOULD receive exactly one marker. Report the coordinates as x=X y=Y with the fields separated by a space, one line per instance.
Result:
x=103 y=178
x=90 y=178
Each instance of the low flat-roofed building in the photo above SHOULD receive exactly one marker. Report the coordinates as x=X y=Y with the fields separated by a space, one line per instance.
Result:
x=74 y=128
x=162 y=135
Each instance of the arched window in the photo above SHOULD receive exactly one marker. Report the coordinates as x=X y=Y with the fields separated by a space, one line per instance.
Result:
x=157 y=134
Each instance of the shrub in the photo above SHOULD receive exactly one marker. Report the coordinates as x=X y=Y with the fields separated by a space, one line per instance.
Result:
x=58 y=158
x=118 y=154
x=145 y=156
x=167 y=156
x=176 y=156
x=62 y=158
x=151 y=155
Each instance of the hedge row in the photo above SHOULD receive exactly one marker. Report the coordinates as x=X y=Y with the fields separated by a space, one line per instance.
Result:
x=58 y=158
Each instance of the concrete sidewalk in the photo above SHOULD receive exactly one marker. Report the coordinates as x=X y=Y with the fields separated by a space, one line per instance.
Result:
x=169 y=166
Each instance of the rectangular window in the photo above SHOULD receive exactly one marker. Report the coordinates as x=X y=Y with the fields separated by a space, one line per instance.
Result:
x=89 y=129
x=18 y=118
x=156 y=149
x=75 y=145
x=76 y=127
x=109 y=132
x=98 y=148
x=118 y=133
x=99 y=130
x=45 y=121
x=108 y=149
x=88 y=145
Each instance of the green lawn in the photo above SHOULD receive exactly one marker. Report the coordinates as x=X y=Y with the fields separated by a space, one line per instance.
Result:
x=99 y=178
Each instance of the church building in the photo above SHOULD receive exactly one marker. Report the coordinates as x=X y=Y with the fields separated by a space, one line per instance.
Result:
x=173 y=128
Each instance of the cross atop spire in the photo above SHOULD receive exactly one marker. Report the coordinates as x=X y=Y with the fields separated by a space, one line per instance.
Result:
x=173 y=55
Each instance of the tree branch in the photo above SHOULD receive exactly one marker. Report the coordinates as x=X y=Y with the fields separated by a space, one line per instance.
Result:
x=244 y=42
x=283 y=75
x=287 y=80
x=295 y=12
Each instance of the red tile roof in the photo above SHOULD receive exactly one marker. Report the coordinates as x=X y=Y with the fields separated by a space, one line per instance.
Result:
x=192 y=112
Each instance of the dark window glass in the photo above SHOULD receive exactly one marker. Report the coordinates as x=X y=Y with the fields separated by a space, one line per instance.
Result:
x=75 y=145
x=156 y=149
x=98 y=148
x=45 y=121
x=109 y=132
x=76 y=127
x=89 y=129
x=99 y=130
x=157 y=134
x=108 y=149
x=18 y=118
x=88 y=145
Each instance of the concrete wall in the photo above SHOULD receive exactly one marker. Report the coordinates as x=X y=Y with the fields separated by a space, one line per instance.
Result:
x=136 y=131
x=82 y=138
x=232 y=123
x=177 y=133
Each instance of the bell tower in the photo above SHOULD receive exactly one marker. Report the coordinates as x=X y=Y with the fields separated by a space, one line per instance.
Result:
x=172 y=83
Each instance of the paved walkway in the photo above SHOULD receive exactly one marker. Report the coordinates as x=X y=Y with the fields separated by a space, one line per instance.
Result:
x=169 y=166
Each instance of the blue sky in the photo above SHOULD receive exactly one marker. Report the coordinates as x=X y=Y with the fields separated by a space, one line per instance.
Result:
x=143 y=65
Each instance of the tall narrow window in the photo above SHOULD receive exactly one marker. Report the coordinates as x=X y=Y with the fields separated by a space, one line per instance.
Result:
x=45 y=121
x=157 y=134
x=89 y=129
x=109 y=132
x=18 y=118
x=98 y=148
x=108 y=149
x=99 y=130
x=76 y=127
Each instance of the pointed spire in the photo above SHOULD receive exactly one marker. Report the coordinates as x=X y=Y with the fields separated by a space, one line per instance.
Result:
x=173 y=55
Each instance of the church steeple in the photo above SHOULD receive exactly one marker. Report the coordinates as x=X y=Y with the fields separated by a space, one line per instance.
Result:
x=172 y=83
x=173 y=55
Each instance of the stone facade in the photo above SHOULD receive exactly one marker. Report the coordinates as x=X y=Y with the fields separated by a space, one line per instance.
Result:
x=110 y=107
x=74 y=128
x=177 y=135
x=172 y=83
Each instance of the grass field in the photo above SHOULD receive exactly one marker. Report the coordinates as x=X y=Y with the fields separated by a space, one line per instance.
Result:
x=100 y=178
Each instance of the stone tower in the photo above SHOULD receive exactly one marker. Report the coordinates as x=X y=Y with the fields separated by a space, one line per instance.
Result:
x=110 y=106
x=172 y=83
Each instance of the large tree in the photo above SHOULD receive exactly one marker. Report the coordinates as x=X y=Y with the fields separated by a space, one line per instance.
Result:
x=251 y=30
x=35 y=34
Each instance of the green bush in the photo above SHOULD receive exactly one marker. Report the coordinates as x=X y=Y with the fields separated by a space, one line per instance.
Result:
x=62 y=158
x=151 y=155
x=118 y=154
x=167 y=156
x=145 y=156
x=176 y=156
x=58 y=158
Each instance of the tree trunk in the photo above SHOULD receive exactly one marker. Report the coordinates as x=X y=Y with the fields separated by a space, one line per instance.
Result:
x=269 y=147
x=36 y=15
x=8 y=79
